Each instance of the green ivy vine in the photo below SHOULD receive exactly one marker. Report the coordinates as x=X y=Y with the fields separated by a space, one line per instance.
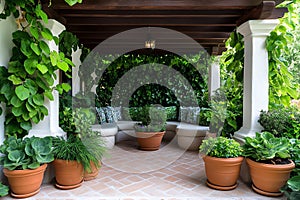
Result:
x=30 y=75
x=282 y=88
x=196 y=73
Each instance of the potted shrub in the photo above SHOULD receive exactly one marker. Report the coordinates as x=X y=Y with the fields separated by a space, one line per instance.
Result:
x=151 y=130
x=222 y=162
x=268 y=161
x=70 y=160
x=25 y=161
x=80 y=153
x=83 y=120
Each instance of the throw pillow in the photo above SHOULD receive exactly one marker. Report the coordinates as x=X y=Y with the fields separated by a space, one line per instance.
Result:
x=100 y=115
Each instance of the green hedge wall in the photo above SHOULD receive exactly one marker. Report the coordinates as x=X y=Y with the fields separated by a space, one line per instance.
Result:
x=154 y=93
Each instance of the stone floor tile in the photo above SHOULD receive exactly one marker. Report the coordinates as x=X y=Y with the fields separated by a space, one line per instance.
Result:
x=166 y=179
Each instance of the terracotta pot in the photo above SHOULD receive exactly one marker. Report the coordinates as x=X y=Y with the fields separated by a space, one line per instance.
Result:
x=93 y=174
x=149 y=141
x=267 y=178
x=25 y=183
x=68 y=173
x=222 y=173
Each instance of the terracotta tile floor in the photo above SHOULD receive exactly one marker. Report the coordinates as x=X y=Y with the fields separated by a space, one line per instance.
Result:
x=169 y=174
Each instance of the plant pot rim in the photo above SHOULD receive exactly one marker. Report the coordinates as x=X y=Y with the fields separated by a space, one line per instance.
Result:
x=241 y=158
x=62 y=160
x=150 y=132
x=17 y=172
x=290 y=165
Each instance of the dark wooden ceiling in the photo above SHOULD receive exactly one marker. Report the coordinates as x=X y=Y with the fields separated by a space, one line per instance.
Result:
x=209 y=22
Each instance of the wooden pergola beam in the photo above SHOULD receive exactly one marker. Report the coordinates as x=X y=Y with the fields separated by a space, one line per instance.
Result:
x=266 y=10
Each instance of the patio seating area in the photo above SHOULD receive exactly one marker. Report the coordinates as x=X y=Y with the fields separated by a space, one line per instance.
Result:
x=150 y=100
x=182 y=179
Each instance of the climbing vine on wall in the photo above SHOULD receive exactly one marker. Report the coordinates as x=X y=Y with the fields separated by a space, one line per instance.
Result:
x=30 y=75
x=196 y=75
x=282 y=89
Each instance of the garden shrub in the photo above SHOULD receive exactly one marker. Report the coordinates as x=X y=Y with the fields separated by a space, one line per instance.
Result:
x=281 y=121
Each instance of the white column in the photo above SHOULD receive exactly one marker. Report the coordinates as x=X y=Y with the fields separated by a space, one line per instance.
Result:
x=75 y=77
x=7 y=27
x=256 y=67
x=50 y=125
x=213 y=77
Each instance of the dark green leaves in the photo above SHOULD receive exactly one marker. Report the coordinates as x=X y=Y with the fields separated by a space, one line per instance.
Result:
x=22 y=92
x=27 y=153
x=38 y=99
x=73 y=2
x=266 y=147
x=30 y=65
x=40 y=13
x=221 y=147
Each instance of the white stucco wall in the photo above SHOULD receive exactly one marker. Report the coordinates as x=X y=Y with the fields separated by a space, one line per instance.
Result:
x=7 y=27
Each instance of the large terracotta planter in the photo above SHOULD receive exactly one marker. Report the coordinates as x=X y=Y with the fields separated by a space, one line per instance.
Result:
x=87 y=176
x=25 y=183
x=68 y=173
x=268 y=179
x=222 y=173
x=149 y=141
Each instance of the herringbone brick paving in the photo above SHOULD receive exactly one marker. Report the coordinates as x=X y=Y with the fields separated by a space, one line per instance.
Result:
x=176 y=175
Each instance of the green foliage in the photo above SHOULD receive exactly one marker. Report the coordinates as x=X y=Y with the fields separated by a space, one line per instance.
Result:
x=3 y=190
x=73 y=2
x=266 y=147
x=81 y=138
x=153 y=120
x=292 y=188
x=152 y=93
x=74 y=149
x=281 y=121
x=221 y=147
x=295 y=155
x=232 y=69
x=281 y=44
x=83 y=119
x=27 y=153
x=30 y=74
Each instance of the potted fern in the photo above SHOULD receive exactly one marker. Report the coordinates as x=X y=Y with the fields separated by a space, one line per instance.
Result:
x=83 y=120
x=151 y=130
x=222 y=157
x=269 y=163
x=80 y=153
x=25 y=161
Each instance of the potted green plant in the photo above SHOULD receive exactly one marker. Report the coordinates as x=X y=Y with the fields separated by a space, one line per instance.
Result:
x=83 y=120
x=222 y=157
x=151 y=130
x=81 y=152
x=25 y=161
x=70 y=160
x=268 y=161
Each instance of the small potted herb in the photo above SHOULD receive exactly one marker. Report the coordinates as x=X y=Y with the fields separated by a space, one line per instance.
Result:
x=222 y=157
x=25 y=161
x=151 y=130
x=268 y=161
